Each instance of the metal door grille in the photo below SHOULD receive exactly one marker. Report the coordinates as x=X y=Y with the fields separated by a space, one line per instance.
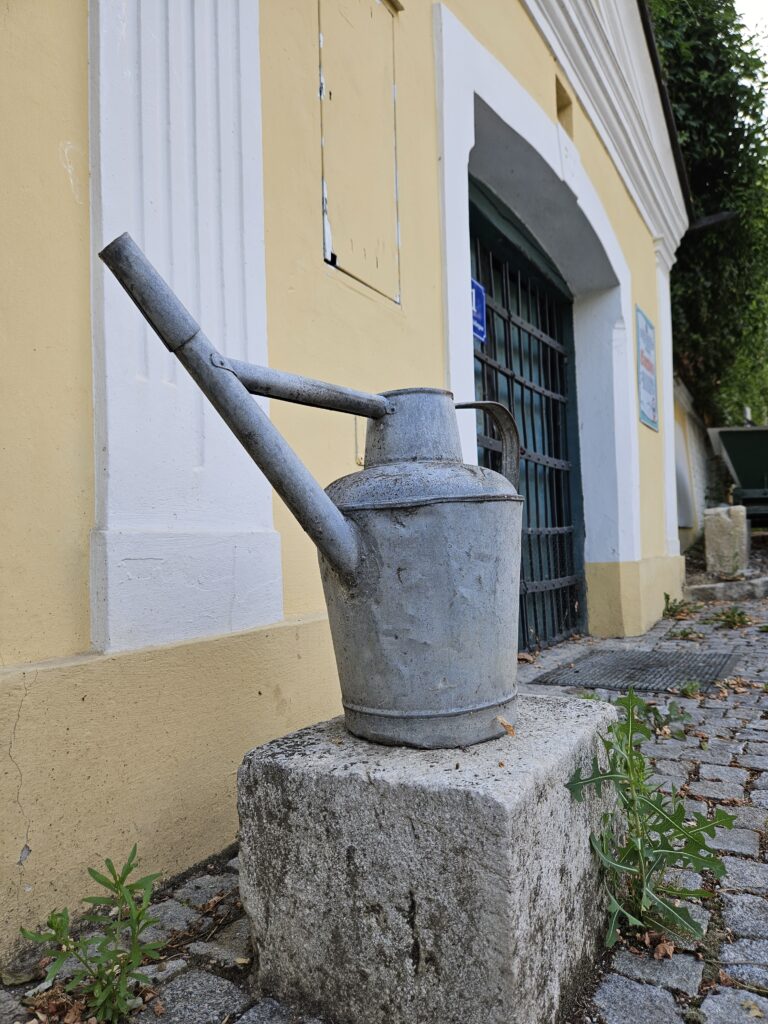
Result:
x=524 y=364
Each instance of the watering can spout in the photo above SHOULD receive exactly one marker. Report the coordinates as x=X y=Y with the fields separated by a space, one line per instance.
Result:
x=229 y=385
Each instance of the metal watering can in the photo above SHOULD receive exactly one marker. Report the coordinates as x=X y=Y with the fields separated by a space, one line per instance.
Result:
x=419 y=553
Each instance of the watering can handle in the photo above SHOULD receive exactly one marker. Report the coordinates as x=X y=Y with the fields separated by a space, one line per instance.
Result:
x=504 y=422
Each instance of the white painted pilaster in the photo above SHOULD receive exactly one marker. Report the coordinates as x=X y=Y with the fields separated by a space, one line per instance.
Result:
x=184 y=544
x=664 y=260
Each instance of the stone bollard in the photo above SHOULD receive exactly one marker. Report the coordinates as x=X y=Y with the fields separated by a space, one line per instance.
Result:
x=387 y=885
x=726 y=540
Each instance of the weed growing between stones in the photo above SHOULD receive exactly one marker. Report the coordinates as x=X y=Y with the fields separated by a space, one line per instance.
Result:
x=107 y=972
x=731 y=618
x=686 y=633
x=675 y=609
x=651 y=835
x=691 y=688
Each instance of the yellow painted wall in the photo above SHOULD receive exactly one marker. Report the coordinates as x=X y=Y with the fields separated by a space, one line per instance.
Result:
x=46 y=440
x=353 y=335
x=145 y=745
x=104 y=751
x=322 y=322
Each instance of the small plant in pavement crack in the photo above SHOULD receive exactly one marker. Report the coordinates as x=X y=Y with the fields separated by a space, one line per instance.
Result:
x=731 y=618
x=649 y=836
x=678 y=609
x=107 y=972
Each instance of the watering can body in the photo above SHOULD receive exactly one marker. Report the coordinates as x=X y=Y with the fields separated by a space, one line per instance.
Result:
x=419 y=553
x=425 y=635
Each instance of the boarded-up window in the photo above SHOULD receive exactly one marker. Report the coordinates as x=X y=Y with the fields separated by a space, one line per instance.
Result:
x=357 y=91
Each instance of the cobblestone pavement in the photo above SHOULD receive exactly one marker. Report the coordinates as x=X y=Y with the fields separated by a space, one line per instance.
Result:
x=202 y=978
x=723 y=760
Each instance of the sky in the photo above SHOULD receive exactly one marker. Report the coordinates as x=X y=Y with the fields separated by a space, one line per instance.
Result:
x=755 y=15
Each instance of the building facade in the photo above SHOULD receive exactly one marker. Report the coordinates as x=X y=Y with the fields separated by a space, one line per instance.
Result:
x=335 y=188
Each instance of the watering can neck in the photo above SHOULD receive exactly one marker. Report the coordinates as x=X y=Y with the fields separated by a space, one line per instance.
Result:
x=420 y=426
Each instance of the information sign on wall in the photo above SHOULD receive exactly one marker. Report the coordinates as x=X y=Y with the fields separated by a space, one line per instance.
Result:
x=478 y=311
x=646 y=371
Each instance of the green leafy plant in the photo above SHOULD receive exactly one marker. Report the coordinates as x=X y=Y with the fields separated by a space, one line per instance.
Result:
x=763 y=628
x=661 y=723
x=731 y=618
x=651 y=835
x=691 y=688
x=686 y=633
x=108 y=971
x=678 y=609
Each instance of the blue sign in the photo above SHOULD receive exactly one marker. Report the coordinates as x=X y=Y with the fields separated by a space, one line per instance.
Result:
x=478 y=311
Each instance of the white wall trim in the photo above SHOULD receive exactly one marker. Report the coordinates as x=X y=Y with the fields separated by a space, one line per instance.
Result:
x=664 y=347
x=603 y=52
x=560 y=205
x=184 y=544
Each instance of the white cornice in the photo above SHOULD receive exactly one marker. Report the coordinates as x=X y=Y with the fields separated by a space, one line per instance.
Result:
x=621 y=98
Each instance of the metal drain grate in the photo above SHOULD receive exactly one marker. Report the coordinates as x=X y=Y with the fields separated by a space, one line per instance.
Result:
x=642 y=670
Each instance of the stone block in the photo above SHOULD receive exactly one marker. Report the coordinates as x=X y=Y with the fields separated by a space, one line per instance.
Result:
x=736 y=840
x=171 y=916
x=709 y=790
x=756 y=761
x=201 y=890
x=387 y=883
x=746 y=916
x=619 y=1000
x=745 y=951
x=681 y=973
x=721 y=773
x=745 y=876
x=726 y=540
x=11 y=1009
x=701 y=917
x=196 y=998
x=730 y=1006
x=269 y=1012
x=748 y=817
x=752 y=975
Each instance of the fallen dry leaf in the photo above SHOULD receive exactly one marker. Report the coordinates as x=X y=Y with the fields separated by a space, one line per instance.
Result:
x=242 y=960
x=508 y=728
x=526 y=657
x=664 y=949
x=157 y=1008
x=753 y=1010
x=501 y=764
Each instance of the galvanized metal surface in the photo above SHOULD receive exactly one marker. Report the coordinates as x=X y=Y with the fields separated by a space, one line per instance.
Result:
x=419 y=553
x=642 y=670
x=335 y=535
x=290 y=387
x=416 y=634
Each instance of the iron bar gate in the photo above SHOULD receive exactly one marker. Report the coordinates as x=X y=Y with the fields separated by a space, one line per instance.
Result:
x=525 y=363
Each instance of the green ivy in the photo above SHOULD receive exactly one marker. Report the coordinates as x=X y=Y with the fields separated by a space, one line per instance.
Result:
x=716 y=79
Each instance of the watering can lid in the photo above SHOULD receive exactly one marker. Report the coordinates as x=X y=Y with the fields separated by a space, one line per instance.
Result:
x=407 y=484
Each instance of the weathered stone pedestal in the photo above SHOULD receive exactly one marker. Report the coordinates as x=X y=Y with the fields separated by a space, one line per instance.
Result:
x=726 y=540
x=389 y=885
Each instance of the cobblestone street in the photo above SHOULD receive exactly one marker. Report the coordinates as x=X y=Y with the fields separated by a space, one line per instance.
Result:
x=723 y=760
